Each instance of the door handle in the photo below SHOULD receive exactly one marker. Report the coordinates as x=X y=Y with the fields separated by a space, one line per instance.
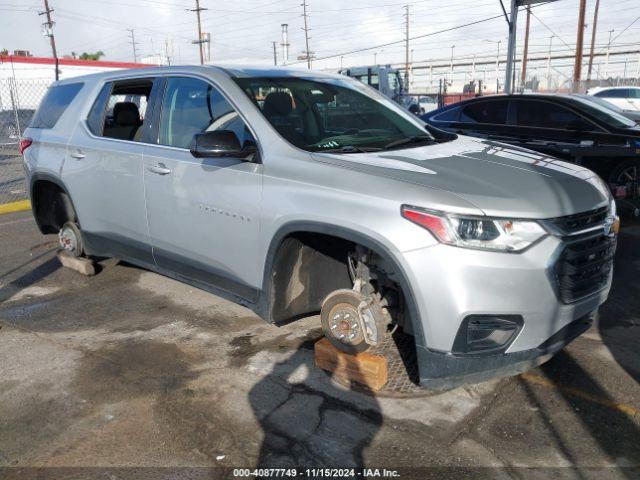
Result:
x=160 y=169
x=78 y=155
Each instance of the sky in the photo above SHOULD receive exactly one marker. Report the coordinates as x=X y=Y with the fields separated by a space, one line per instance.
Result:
x=243 y=31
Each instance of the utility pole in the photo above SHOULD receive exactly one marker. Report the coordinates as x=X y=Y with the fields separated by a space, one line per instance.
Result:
x=549 y=63
x=511 y=48
x=498 y=68
x=133 y=44
x=307 y=53
x=606 y=63
x=473 y=68
x=406 y=49
x=451 y=67
x=200 y=40
x=168 y=49
x=577 y=68
x=523 y=78
x=593 y=40
x=285 y=43
x=275 y=54
x=48 y=29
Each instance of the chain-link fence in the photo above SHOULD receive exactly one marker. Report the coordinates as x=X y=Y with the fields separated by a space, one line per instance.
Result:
x=18 y=102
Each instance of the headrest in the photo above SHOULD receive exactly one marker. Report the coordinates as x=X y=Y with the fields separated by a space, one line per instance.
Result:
x=126 y=114
x=277 y=103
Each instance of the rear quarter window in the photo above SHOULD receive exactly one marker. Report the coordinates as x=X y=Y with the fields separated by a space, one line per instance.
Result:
x=53 y=105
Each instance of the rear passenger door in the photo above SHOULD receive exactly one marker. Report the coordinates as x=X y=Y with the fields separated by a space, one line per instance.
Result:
x=204 y=213
x=484 y=119
x=103 y=170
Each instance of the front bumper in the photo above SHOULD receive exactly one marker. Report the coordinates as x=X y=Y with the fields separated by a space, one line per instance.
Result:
x=440 y=371
x=452 y=283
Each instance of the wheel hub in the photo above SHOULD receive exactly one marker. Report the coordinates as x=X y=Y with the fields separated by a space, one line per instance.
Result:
x=68 y=240
x=345 y=324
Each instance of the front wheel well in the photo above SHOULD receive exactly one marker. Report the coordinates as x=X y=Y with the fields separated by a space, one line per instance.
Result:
x=51 y=205
x=308 y=266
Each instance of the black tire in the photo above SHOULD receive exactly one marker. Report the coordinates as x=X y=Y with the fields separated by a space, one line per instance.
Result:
x=343 y=301
x=70 y=238
x=615 y=176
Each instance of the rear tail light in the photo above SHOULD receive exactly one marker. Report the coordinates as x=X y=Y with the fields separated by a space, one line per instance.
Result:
x=24 y=144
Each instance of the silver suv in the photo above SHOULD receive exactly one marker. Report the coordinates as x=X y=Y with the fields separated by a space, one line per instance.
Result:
x=296 y=192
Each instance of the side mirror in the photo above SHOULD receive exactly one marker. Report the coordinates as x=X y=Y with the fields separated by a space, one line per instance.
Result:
x=219 y=143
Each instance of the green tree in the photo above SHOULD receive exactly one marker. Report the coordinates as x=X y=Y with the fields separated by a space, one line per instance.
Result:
x=92 y=56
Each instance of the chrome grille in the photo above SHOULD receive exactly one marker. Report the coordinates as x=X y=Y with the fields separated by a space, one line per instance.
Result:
x=572 y=224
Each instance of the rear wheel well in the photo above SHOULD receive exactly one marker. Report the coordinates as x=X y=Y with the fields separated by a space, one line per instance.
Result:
x=52 y=206
x=308 y=266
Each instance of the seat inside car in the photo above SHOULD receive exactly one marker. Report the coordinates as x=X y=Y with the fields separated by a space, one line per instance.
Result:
x=126 y=120
x=278 y=107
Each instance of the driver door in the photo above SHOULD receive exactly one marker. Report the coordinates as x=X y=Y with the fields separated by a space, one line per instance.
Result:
x=203 y=213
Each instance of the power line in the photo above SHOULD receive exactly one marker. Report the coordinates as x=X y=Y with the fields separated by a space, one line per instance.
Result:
x=624 y=30
x=549 y=28
x=365 y=49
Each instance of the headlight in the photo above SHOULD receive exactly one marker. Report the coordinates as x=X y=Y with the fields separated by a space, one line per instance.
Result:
x=497 y=234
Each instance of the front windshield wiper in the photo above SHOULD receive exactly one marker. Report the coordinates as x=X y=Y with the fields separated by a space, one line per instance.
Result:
x=407 y=140
x=350 y=149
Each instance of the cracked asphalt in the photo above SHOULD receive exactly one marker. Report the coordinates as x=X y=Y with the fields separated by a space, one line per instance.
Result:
x=131 y=370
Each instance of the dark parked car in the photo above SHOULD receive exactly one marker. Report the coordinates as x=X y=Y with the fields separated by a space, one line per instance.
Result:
x=564 y=126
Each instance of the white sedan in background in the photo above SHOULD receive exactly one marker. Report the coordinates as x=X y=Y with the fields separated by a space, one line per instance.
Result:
x=627 y=98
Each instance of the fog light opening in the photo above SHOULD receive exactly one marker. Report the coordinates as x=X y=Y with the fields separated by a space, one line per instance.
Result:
x=487 y=333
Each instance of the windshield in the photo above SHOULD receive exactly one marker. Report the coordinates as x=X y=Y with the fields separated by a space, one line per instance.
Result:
x=333 y=115
x=605 y=114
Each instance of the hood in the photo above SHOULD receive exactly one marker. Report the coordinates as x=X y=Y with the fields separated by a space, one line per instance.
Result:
x=499 y=179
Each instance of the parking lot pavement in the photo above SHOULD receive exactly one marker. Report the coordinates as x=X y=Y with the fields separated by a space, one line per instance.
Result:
x=129 y=368
x=12 y=183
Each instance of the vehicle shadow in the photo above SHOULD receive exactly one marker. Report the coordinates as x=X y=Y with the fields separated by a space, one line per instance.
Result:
x=619 y=317
x=307 y=421
x=29 y=278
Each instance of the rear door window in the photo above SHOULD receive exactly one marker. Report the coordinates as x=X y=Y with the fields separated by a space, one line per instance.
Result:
x=533 y=113
x=120 y=111
x=53 y=105
x=492 y=112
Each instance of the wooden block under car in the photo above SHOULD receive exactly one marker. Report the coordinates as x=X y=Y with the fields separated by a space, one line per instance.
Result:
x=80 y=265
x=363 y=368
